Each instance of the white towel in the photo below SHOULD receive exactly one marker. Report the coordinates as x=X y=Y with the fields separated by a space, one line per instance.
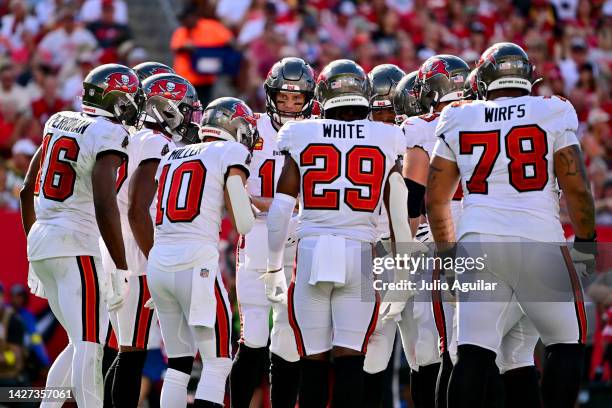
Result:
x=329 y=261
x=203 y=305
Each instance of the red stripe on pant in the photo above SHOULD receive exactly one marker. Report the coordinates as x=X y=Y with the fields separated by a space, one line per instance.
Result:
x=143 y=316
x=111 y=338
x=90 y=299
x=578 y=297
x=222 y=324
x=438 y=311
x=299 y=339
x=372 y=325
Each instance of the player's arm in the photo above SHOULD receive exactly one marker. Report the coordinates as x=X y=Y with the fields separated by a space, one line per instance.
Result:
x=141 y=193
x=103 y=179
x=26 y=195
x=395 y=196
x=261 y=203
x=237 y=200
x=572 y=177
x=415 y=171
x=441 y=185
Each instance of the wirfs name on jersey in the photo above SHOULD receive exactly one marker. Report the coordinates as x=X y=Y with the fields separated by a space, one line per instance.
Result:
x=504 y=113
x=343 y=131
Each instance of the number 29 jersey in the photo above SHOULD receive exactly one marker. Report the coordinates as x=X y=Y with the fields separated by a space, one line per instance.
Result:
x=343 y=170
x=504 y=150
x=190 y=201
x=65 y=217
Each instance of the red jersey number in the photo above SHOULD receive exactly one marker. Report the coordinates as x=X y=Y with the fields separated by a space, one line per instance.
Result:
x=60 y=176
x=189 y=175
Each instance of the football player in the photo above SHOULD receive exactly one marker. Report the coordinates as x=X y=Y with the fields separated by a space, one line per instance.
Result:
x=289 y=89
x=440 y=81
x=384 y=80
x=68 y=201
x=195 y=183
x=150 y=68
x=172 y=112
x=510 y=153
x=340 y=166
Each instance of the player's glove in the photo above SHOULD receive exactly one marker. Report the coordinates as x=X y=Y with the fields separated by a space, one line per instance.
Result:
x=150 y=304
x=275 y=286
x=118 y=290
x=583 y=255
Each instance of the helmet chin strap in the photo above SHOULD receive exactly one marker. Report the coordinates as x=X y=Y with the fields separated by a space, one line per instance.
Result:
x=162 y=122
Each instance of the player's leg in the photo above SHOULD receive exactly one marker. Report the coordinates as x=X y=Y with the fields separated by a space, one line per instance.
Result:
x=309 y=313
x=551 y=296
x=80 y=297
x=250 y=362
x=378 y=354
x=134 y=320
x=215 y=350
x=481 y=319
x=109 y=361
x=61 y=369
x=177 y=336
x=355 y=309
x=284 y=358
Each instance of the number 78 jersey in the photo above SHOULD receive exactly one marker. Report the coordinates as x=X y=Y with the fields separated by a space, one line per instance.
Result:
x=504 y=151
x=343 y=170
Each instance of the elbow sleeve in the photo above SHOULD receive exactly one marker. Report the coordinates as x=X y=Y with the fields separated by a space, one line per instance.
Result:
x=279 y=217
x=241 y=204
x=416 y=194
x=398 y=211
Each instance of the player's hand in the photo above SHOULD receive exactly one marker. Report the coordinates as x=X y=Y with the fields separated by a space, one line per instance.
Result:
x=292 y=237
x=276 y=286
x=119 y=289
x=583 y=255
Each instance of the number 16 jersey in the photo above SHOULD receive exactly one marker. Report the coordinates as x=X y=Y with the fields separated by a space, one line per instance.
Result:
x=504 y=150
x=343 y=170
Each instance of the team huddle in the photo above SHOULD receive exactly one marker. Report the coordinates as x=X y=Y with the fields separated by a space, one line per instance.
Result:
x=123 y=203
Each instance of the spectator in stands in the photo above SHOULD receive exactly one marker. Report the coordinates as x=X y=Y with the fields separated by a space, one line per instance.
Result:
x=195 y=33
x=49 y=103
x=597 y=142
x=109 y=33
x=14 y=106
x=18 y=31
x=92 y=10
x=72 y=87
x=38 y=359
x=601 y=293
x=67 y=40
x=12 y=351
x=46 y=11
x=17 y=166
x=603 y=205
x=570 y=66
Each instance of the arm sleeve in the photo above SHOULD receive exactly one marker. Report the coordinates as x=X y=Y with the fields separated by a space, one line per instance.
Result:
x=279 y=216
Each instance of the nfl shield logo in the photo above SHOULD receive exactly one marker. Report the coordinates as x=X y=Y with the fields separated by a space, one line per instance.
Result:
x=204 y=273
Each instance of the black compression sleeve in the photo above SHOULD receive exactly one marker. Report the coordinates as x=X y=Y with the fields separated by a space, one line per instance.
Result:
x=416 y=194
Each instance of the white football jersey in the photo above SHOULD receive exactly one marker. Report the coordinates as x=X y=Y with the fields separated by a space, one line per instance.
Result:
x=65 y=217
x=343 y=167
x=145 y=144
x=504 y=151
x=191 y=182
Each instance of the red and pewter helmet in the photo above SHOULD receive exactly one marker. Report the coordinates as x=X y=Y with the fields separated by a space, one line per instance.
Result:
x=440 y=79
x=405 y=100
x=504 y=66
x=229 y=119
x=172 y=102
x=289 y=75
x=342 y=83
x=470 y=88
x=383 y=82
x=150 y=68
x=113 y=91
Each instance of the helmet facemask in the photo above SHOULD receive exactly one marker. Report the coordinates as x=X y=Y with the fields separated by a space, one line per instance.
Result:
x=280 y=117
x=128 y=108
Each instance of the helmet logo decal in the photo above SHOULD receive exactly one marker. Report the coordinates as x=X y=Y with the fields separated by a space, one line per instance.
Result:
x=433 y=68
x=167 y=89
x=488 y=56
x=241 y=111
x=118 y=81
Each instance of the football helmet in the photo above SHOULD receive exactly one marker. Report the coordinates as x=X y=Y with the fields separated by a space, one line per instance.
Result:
x=172 y=102
x=470 y=87
x=405 y=100
x=441 y=79
x=150 y=68
x=342 y=83
x=113 y=91
x=504 y=66
x=229 y=119
x=289 y=75
x=383 y=82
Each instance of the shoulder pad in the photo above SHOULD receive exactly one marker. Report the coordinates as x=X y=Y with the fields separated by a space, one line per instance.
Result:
x=460 y=103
